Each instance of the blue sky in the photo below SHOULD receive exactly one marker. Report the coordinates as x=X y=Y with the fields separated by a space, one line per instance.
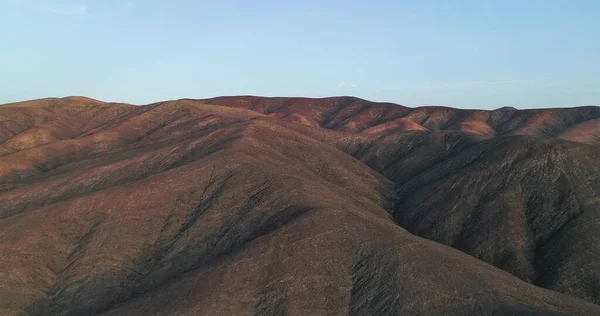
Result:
x=471 y=54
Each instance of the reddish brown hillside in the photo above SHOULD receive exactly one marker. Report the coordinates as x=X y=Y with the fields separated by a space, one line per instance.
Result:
x=357 y=115
x=185 y=208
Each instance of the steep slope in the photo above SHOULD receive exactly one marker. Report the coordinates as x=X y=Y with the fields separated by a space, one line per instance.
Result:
x=190 y=209
x=527 y=205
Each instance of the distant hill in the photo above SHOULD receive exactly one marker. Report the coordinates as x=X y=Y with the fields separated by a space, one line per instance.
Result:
x=350 y=114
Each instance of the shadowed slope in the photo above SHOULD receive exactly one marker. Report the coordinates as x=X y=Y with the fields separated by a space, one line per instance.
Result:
x=527 y=205
x=530 y=207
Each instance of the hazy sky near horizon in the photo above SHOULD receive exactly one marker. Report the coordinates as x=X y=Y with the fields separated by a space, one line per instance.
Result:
x=461 y=53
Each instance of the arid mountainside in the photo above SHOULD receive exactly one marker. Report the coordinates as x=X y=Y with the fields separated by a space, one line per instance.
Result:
x=228 y=206
x=581 y=124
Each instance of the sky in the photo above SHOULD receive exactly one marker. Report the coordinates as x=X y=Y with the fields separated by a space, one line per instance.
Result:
x=469 y=54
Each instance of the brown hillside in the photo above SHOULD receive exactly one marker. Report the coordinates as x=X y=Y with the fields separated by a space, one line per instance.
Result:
x=362 y=116
x=335 y=206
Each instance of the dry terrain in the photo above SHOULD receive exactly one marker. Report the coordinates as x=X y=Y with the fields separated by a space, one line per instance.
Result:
x=296 y=206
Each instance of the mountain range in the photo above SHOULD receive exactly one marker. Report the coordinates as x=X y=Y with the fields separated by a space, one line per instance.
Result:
x=250 y=205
